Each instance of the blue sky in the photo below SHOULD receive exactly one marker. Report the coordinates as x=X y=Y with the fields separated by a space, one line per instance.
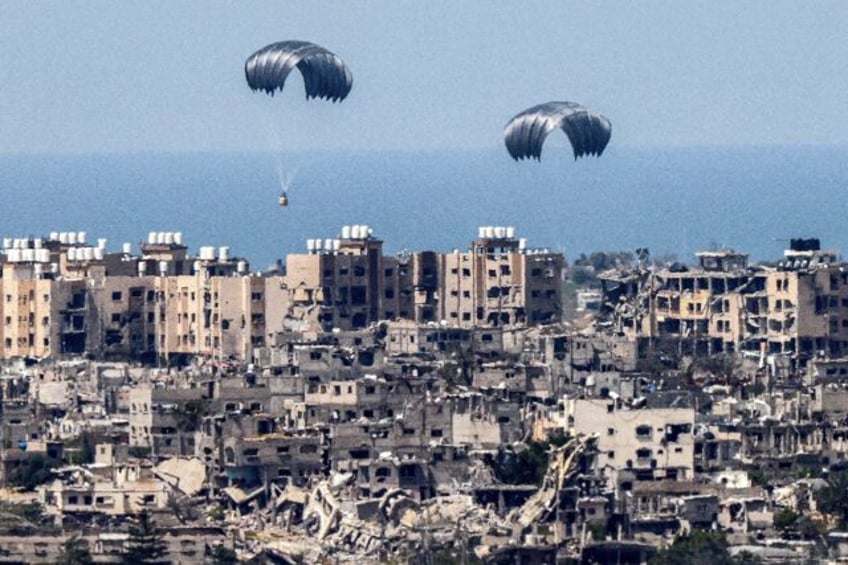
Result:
x=106 y=77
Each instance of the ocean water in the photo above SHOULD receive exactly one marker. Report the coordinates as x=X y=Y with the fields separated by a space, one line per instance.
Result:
x=674 y=201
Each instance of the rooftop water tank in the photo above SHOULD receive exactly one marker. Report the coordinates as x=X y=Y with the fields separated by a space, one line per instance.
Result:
x=54 y=235
x=151 y=238
x=81 y=237
x=163 y=268
x=72 y=238
x=37 y=243
x=142 y=268
x=98 y=253
x=178 y=237
x=63 y=237
x=169 y=238
x=101 y=243
x=224 y=254
x=345 y=232
x=7 y=242
x=500 y=232
x=241 y=267
x=310 y=245
x=510 y=232
x=126 y=248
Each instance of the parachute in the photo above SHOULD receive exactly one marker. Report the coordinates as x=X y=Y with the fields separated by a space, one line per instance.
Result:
x=325 y=75
x=587 y=131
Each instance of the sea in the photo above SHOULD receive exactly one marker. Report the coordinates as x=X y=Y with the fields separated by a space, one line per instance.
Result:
x=674 y=201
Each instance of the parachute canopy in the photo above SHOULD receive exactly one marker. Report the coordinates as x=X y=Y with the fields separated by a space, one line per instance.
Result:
x=587 y=131
x=324 y=74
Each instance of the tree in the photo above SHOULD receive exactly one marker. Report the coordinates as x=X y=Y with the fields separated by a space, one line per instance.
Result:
x=75 y=552
x=145 y=545
x=35 y=470
x=785 y=519
x=223 y=555
x=833 y=498
x=695 y=548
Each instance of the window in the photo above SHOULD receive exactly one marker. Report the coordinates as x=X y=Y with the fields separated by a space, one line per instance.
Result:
x=116 y=296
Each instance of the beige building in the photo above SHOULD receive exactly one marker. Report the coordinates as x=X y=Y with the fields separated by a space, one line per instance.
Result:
x=651 y=443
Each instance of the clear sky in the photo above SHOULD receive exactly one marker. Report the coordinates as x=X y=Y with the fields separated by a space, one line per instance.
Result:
x=103 y=77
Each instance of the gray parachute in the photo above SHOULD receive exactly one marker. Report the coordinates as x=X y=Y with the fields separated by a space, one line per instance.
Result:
x=325 y=75
x=588 y=132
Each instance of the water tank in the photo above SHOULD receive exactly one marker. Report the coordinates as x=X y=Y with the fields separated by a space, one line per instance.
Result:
x=354 y=232
x=42 y=255
x=318 y=244
x=98 y=253
x=37 y=243
x=142 y=268
x=151 y=238
x=369 y=231
x=89 y=253
x=169 y=238
x=160 y=238
x=328 y=244
x=510 y=232
x=72 y=238
x=72 y=254
x=54 y=268
x=101 y=242
x=241 y=267
x=481 y=232
x=178 y=237
x=163 y=268
x=345 y=232
x=13 y=255
x=36 y=270
x=310 y=245
x=29 y=255
x=54 y=235
x=522 y=243
x=7 y=242
x=337 y=244
x=500 y=232
x=224 y=253
x=126 y=248
x=63 y=237
x=490 y=232
x=81 y=237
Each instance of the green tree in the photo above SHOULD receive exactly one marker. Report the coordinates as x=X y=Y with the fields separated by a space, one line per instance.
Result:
x=146 y=544
x=75 y=552
x=833 y=498
x=35 y=470
x=223 y=555
x=785 y=519
x=696 y=548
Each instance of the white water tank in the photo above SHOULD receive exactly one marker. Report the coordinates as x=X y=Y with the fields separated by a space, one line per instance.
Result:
x=169 y=238
x=163 y=268
x=101 y=243
x=126 y=248
x=337 y=244
x=29 y=255
x=63 y=237
x=369 y=230
x=151 y=238
x=98 y=253
x=142 y=268
x=37 y=243
x=81 y=237
x=241 y=267
x=510 y=231
x=522 y=243
x=490 y=232
x=72 y=254
x=318 y=244
x=43 y=255
x=328 y=244
x=7 y=242
x=54 y=235
x=89 y=253
x=481 y=232
x=178 y=237
x=500 y=231
x=36 y=270
x=310 y=245
x=72 y=238
x=345 y=232
x=224 y=254
x=54 y=268
x=160 y=238
x=354 y=232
